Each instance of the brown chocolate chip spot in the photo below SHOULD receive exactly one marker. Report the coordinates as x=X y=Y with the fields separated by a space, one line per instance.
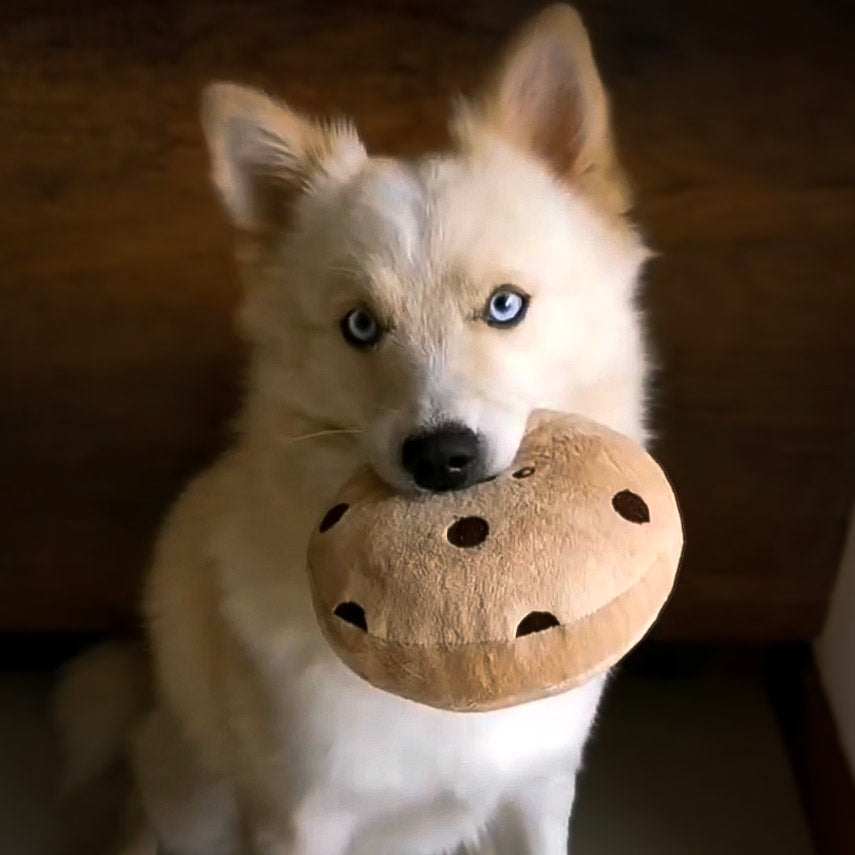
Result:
x=468 y=532
x=536 y=622
x=352 y=613
x=525 y=472
x=332 y=516
x=631 y=506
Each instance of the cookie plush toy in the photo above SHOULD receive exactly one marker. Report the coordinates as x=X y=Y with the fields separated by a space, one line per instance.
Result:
x=517 y=588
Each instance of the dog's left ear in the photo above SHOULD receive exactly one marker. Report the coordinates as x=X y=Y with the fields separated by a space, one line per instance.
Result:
x=264 y=154
x=546 y=98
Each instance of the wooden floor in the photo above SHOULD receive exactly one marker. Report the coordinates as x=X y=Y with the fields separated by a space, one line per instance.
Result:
x=118 y=365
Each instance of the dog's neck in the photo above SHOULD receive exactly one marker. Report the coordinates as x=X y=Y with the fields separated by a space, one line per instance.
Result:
x=278 y=487
x=293 y=457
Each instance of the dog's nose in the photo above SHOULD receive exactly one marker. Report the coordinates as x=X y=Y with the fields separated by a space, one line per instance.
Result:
x=447 y=458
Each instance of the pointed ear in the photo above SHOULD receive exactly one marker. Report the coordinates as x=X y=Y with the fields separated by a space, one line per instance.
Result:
x=263 y=153
x=546 y=98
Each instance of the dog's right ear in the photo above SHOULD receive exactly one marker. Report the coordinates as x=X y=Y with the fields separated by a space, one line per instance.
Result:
x=263 y=153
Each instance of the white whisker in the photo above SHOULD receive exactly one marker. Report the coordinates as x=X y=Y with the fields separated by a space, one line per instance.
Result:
x=290 y=440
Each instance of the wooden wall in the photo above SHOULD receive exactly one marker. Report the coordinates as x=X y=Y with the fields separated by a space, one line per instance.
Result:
x=118 y=366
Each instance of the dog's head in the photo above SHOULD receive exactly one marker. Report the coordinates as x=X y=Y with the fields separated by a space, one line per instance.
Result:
x=432 y=305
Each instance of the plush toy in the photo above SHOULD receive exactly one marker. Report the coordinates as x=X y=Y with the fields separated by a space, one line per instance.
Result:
x=519 y=587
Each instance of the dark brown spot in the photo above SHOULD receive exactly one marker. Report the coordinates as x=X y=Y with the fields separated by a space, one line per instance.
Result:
x=352 y=613
x=631 y=506
x=467 y=532
x=525 y=472
x=332 y=516
x=536 y=622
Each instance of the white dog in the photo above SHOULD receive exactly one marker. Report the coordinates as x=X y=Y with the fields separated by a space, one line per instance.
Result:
x=411 y=314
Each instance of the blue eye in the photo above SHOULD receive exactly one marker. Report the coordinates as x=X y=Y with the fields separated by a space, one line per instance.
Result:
x=361 y=329
x=506 y=307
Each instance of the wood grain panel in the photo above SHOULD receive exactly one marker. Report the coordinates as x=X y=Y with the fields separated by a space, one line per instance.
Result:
x=119 y=368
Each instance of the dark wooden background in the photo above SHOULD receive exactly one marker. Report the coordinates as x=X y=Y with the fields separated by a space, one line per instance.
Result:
x=118 y=366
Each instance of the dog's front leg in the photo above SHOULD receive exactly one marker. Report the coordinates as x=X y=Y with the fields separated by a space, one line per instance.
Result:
x=309 y=829
x=322 y=841
x=186 y=808
x=536 y=819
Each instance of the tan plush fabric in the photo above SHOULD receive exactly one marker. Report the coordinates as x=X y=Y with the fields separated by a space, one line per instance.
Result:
x=583 y=528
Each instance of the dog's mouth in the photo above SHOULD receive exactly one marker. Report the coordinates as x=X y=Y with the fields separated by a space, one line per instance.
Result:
x=414 y=489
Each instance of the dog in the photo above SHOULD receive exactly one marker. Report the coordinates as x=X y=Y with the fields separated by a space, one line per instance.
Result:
x=411 y=314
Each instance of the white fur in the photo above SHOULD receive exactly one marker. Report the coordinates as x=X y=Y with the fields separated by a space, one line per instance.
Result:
x=95 y=707
x=262 y=741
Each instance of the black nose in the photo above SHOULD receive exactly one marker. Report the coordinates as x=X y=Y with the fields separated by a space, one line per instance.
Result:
x=447 y=458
